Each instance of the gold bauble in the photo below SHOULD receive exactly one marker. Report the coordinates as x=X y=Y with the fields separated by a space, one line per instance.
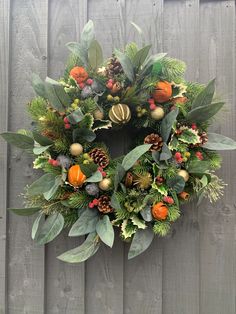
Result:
x=76 y=149
x=184 y=174
x=105 y=184
x=120 y=114
x=98 y=114
x=158 y=113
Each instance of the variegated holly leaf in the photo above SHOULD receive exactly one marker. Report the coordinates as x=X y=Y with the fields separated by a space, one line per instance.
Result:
x=127 y=229
x=189 y=136
x=101 y=124
x=138 y=222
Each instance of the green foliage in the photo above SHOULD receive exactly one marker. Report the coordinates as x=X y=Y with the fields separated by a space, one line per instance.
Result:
x=131 y=50
x=193 y=89
x=79 y=200
x=70 y=217
x=169 y=69
x=37 y=108
x=161 y=228
x=140 y=243
x=214 y=158
x=61 y=145
x=173 y=213
x=72 y=61
x=87 y=121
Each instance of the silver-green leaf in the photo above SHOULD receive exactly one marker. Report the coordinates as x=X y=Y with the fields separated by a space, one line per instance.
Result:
x=105 y=230
x=131 y=158
x=219 y=142
x=85 y=224
x=141 y=241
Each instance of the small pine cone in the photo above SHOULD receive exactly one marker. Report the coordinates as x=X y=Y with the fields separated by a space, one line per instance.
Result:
x=114 y=67
x=99 y=157
x=203 y=138
x=104 y=204
x=155 y=140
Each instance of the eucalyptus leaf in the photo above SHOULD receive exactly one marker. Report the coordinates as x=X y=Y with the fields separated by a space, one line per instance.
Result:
x=76 y=116
x=165 y=152
x=95 y=55
x=198 y=166
x=50 y=193
x=167 y=124
x=201 y=114
x=105 y=230
x=78 y=50
x=147 y=65
x=19 y=140
x=42 y=140
x=59 y=91
x=38 y=86
x=35 y=226
x=115 y=201
x=141 y=241
x=177 y=183
x=146 y=213
x=50 y=229
x=96 y=177
x=87 y=35
x=89 y=169
x=205 y=97
x=42 y=185
x=28 y=211
x=219 y=142
x=85 y=224
x=81 y=253
x=126 y=64
x=84 y=134
x=119 y=174
x=40 y=149
x=141 y=56
x=131 y=158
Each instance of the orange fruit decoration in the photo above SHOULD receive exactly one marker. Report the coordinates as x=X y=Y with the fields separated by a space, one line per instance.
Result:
x=79 y=74
x=162 y=92
x=76 y=176
x=159 y=211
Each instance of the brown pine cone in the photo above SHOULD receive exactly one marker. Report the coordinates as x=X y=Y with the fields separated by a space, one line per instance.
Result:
x=114 y=67
x=99 y=157
x=104 y=204
x=155 y=140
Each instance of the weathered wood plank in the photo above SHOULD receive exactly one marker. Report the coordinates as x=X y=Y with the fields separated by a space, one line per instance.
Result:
x=4 y=60
x=104 y=271
x=25 y=259
x=217 y=221
x=181 y=250
x=64 y=282
x=143 y=275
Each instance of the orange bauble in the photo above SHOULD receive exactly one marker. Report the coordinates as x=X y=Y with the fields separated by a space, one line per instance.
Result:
x=79 y=74
x=76 y=176
x=159 y=211
x=162 y=92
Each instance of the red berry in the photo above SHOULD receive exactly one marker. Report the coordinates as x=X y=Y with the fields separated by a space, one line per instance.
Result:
x=67 y=126
x=194 y=126
x=91 y=205
x=110 y=81
x=199 y=155
x=178 y=155
x=168 y=200
x=151 y=101
x=55 y=163
x=109 y=85
x=179 y=160
x=81 y=85
x=66 y=120
x=50 y=161
x=153 y=106
x=95 y=202
x=89 y=81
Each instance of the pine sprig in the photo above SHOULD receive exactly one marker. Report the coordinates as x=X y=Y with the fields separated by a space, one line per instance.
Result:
x=79 y=200
x=161 y=228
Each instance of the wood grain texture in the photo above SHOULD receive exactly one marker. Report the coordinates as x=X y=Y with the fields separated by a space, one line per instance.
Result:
x=4 y=61
x=143 y=292
x=25 y=259
x=181 y=250
x=64 y=282
x=217 y=221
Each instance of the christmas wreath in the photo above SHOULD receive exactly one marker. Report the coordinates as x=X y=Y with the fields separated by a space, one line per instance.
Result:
x=172 y=159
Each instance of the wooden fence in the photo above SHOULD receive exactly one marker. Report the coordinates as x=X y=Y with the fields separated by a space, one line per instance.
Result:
x=190 y=272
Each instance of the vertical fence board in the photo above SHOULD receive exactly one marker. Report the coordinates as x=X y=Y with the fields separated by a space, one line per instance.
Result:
x=4 y=60
x=104 y=272
x=217 y=221
x=143 y=275
x=26 y=260
x=64 y=282
x=181 y=250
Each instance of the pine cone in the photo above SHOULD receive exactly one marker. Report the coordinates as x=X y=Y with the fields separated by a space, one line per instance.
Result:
x=99 y=157
x=155 y=140
x=114 y=67
x=104 y=204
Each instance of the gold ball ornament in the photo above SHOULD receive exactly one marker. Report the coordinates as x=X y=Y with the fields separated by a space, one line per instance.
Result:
x=158 y=113
x=105 y=184
x=98 y=114
x=184 y=174
x=76 y=149
x=120 y=114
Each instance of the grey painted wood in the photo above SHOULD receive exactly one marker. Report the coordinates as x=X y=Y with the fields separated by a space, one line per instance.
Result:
x=4 y=59
x=25 y=260
x=190 y=272
x=217 y=222
x=64 y=283
x=181 y=250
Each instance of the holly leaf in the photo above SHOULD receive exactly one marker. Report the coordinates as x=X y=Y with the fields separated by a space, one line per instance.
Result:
x=138 y=222
x=205 y=97
x=189 y=136
x=126 y=64
x=204 y=113
x=131 y=158
x=177 y=183
x=50 y=229
x=167 y=124
x=219 y=142
x=141 y=242
x=28 y=211
x=81 y=253
x=105 y=230
x=101 y=124
x=95 y=55
x=19 y=140
x=85 y=224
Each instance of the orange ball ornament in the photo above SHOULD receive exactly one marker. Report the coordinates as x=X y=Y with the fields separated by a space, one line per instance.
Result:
x=79 y=74
x=162 y=92
x=159 y=211
x=76 y=176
